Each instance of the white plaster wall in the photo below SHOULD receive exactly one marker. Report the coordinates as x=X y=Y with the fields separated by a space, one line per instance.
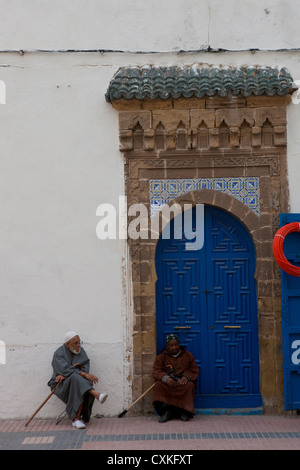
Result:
x=60 y=159
x=152 y=25
x=254 y=24
x=97 y=24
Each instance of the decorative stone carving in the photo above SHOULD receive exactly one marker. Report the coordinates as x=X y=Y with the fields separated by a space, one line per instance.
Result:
x=200 y=128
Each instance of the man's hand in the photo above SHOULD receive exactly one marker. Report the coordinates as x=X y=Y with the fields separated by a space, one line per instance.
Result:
x=183 y=381
x=59 y=378
x=90 y=377
x=171 y=383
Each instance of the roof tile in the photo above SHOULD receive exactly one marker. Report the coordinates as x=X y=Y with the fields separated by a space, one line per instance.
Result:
x=196 y=82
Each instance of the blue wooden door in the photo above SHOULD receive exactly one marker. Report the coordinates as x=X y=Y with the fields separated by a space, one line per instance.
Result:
x=208 y=297
x=290 y=299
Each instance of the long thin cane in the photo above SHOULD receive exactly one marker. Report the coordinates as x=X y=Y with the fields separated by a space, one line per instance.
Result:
x=171 y=370
x=79 y=365
x=41 y=406
x=125 y=411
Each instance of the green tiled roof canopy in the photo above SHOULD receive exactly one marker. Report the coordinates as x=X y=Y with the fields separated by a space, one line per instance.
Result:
x=196 y=82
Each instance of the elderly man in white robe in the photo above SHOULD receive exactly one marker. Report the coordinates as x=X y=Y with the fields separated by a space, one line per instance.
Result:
x=71 y=371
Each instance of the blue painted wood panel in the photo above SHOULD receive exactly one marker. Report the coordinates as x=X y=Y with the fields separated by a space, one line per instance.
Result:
x=290 y=301
x=208 y=297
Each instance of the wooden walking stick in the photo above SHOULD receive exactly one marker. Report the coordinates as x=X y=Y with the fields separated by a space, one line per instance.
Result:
x=41 y=406
x=171 y=370
x=125 y=411
x=77 y=365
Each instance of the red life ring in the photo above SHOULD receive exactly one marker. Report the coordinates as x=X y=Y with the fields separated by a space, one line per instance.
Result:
x=278 y=248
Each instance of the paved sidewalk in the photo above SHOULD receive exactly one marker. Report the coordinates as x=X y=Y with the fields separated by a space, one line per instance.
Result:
x=204 y=432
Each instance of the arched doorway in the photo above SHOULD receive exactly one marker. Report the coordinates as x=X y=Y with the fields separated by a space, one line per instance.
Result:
x=208 y=297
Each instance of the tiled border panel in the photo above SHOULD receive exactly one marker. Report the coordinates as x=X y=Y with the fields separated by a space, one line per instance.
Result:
x=245 y=190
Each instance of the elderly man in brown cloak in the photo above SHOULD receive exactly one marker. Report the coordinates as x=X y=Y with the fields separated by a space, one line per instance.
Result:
x=71 y=371
x=175 y=372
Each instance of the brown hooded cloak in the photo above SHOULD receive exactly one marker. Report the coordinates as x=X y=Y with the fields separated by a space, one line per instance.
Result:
x=181 y=396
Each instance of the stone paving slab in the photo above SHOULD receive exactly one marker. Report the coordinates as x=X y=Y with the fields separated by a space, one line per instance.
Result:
x=141 y=433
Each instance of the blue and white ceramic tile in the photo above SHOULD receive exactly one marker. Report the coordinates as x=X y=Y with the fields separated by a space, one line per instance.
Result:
x=245 y=189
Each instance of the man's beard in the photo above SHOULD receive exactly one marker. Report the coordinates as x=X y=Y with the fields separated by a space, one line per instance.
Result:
x=73 y=350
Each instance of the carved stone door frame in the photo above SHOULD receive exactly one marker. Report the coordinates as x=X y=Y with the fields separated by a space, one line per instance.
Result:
x=216 y=139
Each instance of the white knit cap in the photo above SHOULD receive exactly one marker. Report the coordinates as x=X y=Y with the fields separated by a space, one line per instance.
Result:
x=70 y=335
